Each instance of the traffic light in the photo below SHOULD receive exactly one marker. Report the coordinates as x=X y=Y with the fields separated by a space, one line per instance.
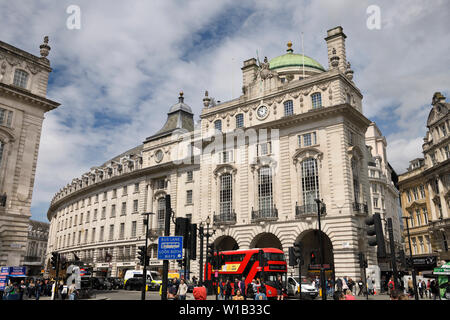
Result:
x=182 y=227
x=220 y=260
x=54 y=260
x=180 y=263
x=63 y=263
x=262 y=259
x=374 y=228
x=298 y=251
x=210 y=254
x=193 y=242
x=313 y=257
x=292 y=257
x=141 y=253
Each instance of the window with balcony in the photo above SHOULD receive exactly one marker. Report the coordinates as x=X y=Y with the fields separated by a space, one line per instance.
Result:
x=226 y=194
x=20 y=78
x=161 y=212
x=316 y=99
x=265 y=191
x=288 y=108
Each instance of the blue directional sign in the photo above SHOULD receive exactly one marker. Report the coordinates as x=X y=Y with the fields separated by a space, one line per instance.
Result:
x=170 y=248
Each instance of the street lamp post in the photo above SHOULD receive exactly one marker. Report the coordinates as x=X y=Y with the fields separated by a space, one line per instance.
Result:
x=413 y=271
x=320 y=207
x=144 y=274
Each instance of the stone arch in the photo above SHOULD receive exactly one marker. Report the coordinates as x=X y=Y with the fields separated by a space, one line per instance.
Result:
x=310 y=240
x=266 y=240
x=225 y=243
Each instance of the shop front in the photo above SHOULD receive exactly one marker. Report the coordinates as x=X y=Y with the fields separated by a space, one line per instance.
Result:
x=103 y=270
x=122 y=268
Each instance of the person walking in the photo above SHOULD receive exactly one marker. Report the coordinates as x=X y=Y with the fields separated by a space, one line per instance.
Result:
x=262 y=288
x=370 y=286
x=31 y=288
x=410 y=287
x=235 y=286
x=351 y=285
x=339 y=284
x=228 y=290
x=279 y=287
x=420 y=286
x=221 y=290
x=22 y=288
x=250 y=294
x=38 y=289
x=64 y=291
x=361 y=287
x=242 y=288
x=182 y=290
x=72 y=291
x=391 y=285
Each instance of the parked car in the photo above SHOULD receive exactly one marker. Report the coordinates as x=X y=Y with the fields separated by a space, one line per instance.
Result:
x=117 y=283
x=135 y=284
x=100 y=283
x=309 y=291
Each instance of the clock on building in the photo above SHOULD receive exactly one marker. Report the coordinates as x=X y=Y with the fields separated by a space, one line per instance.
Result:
x=262 y=112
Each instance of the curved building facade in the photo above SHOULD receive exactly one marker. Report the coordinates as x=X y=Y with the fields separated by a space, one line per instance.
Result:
x=254 y=165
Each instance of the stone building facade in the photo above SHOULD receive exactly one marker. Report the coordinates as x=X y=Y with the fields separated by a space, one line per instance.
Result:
x=425 y=187
x=253 y=165
x=36 y=248
x=23 y=103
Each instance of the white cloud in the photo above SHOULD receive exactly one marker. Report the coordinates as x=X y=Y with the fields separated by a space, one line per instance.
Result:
x=130 y=60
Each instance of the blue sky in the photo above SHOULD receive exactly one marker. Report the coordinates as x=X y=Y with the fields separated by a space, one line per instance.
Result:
x=118 y=75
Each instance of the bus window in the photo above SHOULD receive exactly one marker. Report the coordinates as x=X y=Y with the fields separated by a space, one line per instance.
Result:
x=273 y=256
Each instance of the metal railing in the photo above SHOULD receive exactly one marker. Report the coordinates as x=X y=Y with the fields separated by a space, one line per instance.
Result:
x=308 y=209
x=225 y=218
x=360 y=207
x=270 y=213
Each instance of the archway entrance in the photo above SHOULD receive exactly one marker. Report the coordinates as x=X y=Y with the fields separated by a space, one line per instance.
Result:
x=266 y=240
x=226 y=243
x=311 y=253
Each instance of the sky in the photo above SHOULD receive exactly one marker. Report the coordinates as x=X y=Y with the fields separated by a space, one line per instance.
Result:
x=117 y=76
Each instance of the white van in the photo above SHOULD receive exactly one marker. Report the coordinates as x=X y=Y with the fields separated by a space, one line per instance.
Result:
x=153 y=277
x=309 y=291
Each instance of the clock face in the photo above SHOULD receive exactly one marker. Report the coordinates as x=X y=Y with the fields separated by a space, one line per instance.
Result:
x=262 y=112
x=159 y=155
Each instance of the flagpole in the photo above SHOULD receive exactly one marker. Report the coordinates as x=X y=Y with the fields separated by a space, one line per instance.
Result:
x=303 y=56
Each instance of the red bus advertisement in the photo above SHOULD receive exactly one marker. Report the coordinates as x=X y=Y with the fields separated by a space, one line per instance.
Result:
x=245 y=263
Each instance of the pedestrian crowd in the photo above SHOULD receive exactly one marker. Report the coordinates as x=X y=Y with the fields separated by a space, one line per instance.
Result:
x=33 y=289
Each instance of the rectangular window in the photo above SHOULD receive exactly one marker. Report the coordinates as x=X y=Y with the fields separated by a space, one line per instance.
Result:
x=425 y=215
x=73 y=238
x=422 y=192
x=264 y=149
x=288 y=108
x=414 y=242
x=265 y=193
x=419 y=218
x=415 y=193
x=103 y=213
x=5 y=117
x=374 y=187
x=102 y=233
x=135 y=206
x=309 y=139
x=375 y=202
x=189 y=176
x=136 y=187
x=240 y=120
x=20 y=78
x=70 y=222
x=447 y=152
x=316 y=100
x=124 y=190
x=114 y=193
x=113 y=211
x=218 y=125
x=105 y=196
x=122 y=231
x=93 y=235
x=189 y=196
x=226 y=156
x=124 y=209
x=133 y=228
x=96 y=198
x=85 y=235
x=89 y=201
x=444 y=130
x=81 y=218
x=408 y=194
x=111 y=232
x=79 y=236
x=427 y=238
x=95 y=215
x=88 y=216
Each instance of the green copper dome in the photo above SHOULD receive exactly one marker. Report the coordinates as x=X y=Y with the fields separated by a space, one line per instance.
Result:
x=294 y=60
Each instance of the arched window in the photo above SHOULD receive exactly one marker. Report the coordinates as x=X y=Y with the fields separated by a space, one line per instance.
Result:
x=310 y=183
x=355 y=173
x=226 y=195
x=161 y=212
x=20 y=78
x=316 y=99
x=218 y=125
x=265 y=192
x=288 y=108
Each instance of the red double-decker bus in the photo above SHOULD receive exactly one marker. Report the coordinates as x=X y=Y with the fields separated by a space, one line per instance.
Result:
x=245 y=263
